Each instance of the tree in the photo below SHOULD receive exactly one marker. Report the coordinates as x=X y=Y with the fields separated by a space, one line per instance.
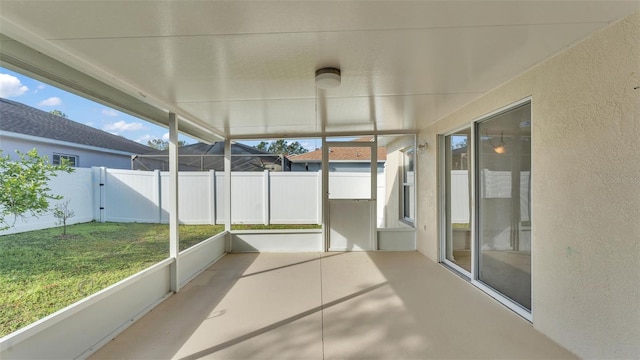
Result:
x=461 y=145
x=24 y=186
x=62 y=212
x=162 y=144
x=281 y=146
x=59 y=113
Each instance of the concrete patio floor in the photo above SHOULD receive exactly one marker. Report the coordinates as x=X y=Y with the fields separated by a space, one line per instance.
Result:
x=379 y=305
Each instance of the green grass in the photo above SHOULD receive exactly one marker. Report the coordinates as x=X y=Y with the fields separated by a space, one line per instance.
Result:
x=41 y=272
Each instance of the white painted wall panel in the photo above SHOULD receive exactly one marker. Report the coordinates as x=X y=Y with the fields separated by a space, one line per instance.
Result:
x=277 y=241
x=350 y=225
x=344 y=185
x=199 y=257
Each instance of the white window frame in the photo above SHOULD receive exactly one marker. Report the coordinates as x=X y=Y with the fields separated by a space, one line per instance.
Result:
x=59 y=156
x=403 y=196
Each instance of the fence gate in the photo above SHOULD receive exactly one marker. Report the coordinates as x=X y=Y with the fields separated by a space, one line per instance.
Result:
x=350 y=217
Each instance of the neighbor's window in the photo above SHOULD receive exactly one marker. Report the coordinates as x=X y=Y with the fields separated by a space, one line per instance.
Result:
x=72 y=160
x=408 y=188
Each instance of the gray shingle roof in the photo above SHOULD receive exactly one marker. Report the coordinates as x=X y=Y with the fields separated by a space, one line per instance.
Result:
x=19 y=118
x=244 y=158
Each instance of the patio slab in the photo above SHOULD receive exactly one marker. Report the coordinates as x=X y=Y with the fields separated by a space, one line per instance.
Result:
x=336 y=305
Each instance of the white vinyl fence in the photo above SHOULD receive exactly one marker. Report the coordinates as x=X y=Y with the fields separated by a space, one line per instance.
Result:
x=495 y=185
x=78 y=187
x=258 y=197
x=139 y=196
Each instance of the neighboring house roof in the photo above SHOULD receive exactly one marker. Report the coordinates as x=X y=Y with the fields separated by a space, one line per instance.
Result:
x=339 y=153
x=23 y=119
x=243 y=157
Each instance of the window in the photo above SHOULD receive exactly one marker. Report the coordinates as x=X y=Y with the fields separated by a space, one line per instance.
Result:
x=408 y=188
x=72 y=160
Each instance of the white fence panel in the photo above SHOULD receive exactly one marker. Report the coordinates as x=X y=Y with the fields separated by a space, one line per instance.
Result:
x=496 y=185
x=248 y=197
x=132 y=196
x=76 y=187
x=248 y=194
x=219 y=197
x=460 y=196
x=194 y=197
x=295 y=197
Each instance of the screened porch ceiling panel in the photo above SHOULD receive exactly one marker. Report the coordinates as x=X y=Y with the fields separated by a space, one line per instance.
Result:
x=246 y=69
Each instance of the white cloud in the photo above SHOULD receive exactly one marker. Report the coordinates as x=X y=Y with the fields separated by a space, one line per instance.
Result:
x=165 y=137
x=144 y=138
x=39 y=87
x=52 y=101
x=10 y=86
x=121 y=125
x=109 y=112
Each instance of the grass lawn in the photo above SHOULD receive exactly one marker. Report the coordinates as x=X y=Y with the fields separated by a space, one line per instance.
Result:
x=41 y=272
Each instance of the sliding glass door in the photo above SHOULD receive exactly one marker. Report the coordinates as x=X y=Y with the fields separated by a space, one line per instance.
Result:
x=486 y=196
x=504 y=222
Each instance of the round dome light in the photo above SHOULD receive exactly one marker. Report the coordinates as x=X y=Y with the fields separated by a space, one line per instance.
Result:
x=327 y=78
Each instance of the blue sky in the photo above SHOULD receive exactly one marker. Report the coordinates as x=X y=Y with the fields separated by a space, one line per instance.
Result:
x=20 y=88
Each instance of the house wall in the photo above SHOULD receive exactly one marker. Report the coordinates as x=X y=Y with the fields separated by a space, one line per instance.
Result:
x=87 y=158
x=585 y=186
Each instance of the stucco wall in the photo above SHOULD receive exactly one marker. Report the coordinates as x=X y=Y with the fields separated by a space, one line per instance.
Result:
x=585 y=189
x=87 y=158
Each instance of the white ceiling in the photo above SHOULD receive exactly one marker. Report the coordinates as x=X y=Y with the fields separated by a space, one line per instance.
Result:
x=246 y=69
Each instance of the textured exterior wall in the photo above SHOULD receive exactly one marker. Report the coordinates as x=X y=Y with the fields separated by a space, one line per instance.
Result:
x=585 y=190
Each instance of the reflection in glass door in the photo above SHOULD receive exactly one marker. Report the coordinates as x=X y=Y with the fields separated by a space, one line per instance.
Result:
x=457 y=234
x=503 y=175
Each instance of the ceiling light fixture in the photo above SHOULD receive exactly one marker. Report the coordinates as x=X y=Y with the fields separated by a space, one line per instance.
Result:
x=327 y=78
x=500 y=148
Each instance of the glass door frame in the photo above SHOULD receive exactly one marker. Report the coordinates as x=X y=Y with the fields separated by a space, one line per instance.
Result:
x=473 y=276
x=444 y=204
